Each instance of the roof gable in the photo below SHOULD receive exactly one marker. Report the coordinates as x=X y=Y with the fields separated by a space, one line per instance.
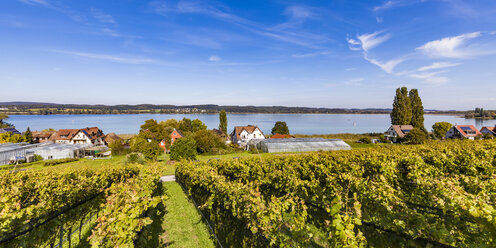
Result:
x=402 y=130
x=467 y=130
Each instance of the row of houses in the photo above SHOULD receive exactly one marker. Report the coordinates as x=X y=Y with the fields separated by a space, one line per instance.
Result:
x=396 y=132
x=89 y=135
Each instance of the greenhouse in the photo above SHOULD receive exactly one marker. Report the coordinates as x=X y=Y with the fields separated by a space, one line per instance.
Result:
x=302 y=145
x=50 y=151
x=10 y=152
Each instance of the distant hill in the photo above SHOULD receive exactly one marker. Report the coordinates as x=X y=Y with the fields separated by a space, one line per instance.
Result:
x=55 y=108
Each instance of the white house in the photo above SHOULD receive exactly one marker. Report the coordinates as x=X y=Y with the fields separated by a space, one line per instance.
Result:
x=89 y=135
x=397 y=131
x=243 y=134
x=463 y=132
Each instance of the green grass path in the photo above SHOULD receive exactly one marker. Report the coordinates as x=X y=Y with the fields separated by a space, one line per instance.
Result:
x=182 y=223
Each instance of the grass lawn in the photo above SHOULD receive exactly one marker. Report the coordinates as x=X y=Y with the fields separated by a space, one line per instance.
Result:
x=182 y=223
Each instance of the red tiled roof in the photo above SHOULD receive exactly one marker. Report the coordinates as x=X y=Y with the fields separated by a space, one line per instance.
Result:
x=67 y=133
x=460 y=129
x=281 y=136
x=42 y=135
x=399 y=129
x=249 y=129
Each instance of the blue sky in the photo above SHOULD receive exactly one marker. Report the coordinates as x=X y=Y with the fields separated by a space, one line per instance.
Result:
x=337 y=53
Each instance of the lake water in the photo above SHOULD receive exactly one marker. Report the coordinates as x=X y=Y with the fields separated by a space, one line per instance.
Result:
x=297 y=123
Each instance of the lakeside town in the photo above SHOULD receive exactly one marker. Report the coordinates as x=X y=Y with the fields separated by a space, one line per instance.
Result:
x=247 y=124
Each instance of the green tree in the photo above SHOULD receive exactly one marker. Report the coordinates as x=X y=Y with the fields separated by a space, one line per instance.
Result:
x=146 y=145
x=415 y=136
x=158 y=131
x=208 y=141
x=197 y=125
x=402 y=109
x=9 y=137
x=440 y=129
x=417 y=110
x=223 y=121
x=28 y=136
x=185 y=125
x=117 y=147
x=183 y=148
x=280 y=127
x=4 y=124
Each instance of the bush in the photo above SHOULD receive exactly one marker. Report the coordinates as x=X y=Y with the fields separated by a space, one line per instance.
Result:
x=415 y=136
x=487 y=136
x=135 y=158
x=440 y=129
x=365 y=140
x=117 y=147
x=208 y=142
x=144 y=144
x=37 y=157
x=59 y=161
x=183 y=148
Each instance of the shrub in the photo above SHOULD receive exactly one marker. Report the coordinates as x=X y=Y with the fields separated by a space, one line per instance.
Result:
x=59 y=161
x=183 y=148
x=415 y=136
x=208 y=142
x=365 y=140
x=38 y=157
x=441 y=128
x=117 y=147
x=135 y=158
x=487 y=136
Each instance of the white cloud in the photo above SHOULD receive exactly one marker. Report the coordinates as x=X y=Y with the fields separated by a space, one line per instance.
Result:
x=449 y=47
x=387 y=66
x=354 y=81
x=307 y=55
x=396 y=3
x=102 y=16
x=369 y=41
x=437 y=65
x=379 y=19
x=35 y=2
x=366 y=42
x=431 y=77
x=296 y=15
x=112 y=58
x=214 y=58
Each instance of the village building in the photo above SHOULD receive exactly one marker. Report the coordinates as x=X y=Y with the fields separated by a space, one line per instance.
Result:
x=42 y=136
x=241 y=135
x=463 y=132
x=89 y=135
x=488 y=130
x=9 y=129
x=111 y=137
x=281 y=136
x=175 y=135
x=396 y=132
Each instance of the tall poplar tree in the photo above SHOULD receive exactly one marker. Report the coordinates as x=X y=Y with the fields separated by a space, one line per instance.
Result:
x=417 y=110
x=28 y=136
x=402 y=108
x=223 y=121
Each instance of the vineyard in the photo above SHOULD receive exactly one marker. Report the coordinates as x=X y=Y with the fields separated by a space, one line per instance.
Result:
x=436 y=195
x=42 y=208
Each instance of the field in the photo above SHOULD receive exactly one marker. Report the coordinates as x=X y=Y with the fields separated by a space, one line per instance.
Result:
x=440 y=194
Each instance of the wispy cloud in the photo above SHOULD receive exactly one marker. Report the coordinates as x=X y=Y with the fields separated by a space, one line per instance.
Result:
x=297 y=15
x=35 y=2
x=395 y=3
x=437 y=65
x=102 y=17
x=354 y=82
x=366 y=42
x=112 y=58
x=379 y=19
x=387 y=66
x=214 y=58
x=450 y=47
x=431 y=77
x=308 y=55
x=223 y=13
